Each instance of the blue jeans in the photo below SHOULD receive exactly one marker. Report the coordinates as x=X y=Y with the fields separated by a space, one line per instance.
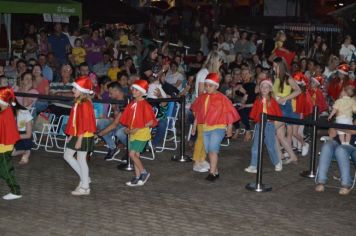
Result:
x=270 y=141
x=160 y=130
x=212 y=140
x=119 y=132
x=342 y=154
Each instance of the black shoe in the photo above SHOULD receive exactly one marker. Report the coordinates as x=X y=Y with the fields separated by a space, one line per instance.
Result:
x=111 y=154
x=212 y=177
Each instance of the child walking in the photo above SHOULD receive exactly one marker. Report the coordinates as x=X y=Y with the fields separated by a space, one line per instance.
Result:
x=344 y=108
x=217 y=114
x=8 y=137
x=138 y=118
x=81 y=128
x=265 y=103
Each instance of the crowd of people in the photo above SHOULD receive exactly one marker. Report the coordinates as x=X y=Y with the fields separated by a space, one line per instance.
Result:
x=228 y=83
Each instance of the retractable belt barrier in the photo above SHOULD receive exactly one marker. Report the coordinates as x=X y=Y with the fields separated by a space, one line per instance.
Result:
x=182 y=157
x=258 y=186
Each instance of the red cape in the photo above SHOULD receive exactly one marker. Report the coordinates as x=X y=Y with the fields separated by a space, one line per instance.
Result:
x=288 y=56
x=84 y=119
x=304 y=104
x=138 y=114
x=9 y=133
x=335 y=87
x=273 y=109
x=318 y=99
x=220 y=110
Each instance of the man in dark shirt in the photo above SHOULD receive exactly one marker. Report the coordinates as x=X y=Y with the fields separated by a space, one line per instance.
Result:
x=59 y=44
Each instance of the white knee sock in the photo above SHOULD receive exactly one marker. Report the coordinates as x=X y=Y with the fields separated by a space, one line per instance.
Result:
x=84 y=169
x=68 y=156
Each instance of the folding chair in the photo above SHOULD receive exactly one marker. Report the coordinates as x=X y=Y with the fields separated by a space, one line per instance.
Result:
x=172 y=117
x=55 y=133
x=44 y=131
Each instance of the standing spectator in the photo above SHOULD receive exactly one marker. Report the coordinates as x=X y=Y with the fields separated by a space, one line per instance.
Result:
x=59 y=44
x=204 y=41
x=94 y=47
x=347 y=50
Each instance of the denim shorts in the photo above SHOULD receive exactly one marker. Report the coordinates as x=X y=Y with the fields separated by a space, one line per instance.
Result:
x=212 y=140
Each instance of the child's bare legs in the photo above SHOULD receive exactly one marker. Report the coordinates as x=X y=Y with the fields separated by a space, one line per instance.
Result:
x=213 y=157
x=285 y=144
x=135 y=157
x=25 y=155
x=296 y=134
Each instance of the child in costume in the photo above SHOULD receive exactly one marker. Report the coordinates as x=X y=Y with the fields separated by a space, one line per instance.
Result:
x=8 y=137
x=138 y=117
x=265 y=103
x=316 y=93
x=344 y=108
x=217 y=114
x=338 y=83
x=81 y=128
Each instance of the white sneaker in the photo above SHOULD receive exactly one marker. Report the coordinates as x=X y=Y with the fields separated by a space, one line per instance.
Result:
x=205 y=165
x=80 y=184
x=81 y=191
x=251 y=169
x=278 y=167
x=11 y=196
x=305 y=149
x=286 y=154
x=199 y=168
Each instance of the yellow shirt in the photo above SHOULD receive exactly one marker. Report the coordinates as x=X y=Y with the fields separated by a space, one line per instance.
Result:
x=6 y=148
x=124 y=40
x=287 y=89
x=79 y=55
x=211 y=127
x=345 y=106
x=143 y=134
x=112 y=73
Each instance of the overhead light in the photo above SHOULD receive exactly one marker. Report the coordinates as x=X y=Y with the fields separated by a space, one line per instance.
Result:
x=341 y=4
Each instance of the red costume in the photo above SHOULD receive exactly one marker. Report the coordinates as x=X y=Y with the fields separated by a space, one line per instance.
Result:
x=138 y=114
x=318 y=99
x=304 y=103
x=8 y=128
x=336 y=86
x=81 y=119
x=219 y=110
x=273 y=109
x=287 y=55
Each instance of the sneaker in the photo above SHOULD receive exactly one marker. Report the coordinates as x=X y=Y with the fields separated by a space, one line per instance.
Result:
x=286 y=154
x=251 y=169
x=199 y=168
x=11 y=196
x=344 y=191
x=278 y=167
x=81 y=191
x=111 y=154
x=320 y=188
x=135 y=181
x=212 y=177
x=305 y=149
x=144 y=177
x=80 y=184
x=206 y=165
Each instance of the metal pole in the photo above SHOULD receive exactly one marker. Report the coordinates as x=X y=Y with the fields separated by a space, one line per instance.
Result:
x=128 y=166
x=311 y=172
x=258 y=186
x=182 y=157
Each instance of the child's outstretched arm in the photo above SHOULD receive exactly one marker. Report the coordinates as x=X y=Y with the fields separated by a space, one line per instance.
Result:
x=332 y=114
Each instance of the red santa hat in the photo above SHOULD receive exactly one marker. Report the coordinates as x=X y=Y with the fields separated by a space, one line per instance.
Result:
x=84 y=84
x=266 y=81
x=300 y=78
x=343 y=69
x=141 y=85
x=319 y=80
x=7 y=96
x=213 y=78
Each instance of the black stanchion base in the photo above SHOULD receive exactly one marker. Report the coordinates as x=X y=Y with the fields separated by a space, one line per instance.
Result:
x=183 y=158
x=307 y=174
x=126 y=166
x=258 y=188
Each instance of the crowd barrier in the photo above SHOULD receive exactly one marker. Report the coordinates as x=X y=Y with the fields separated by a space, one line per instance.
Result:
x=258 y=186
x=127 y=164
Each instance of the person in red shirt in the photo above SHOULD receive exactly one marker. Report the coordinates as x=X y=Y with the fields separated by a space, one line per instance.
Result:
x=265 y=103
x=81 y=127
x=316 y=93
x=9 y=135
x=217 y=114
x=338 y=83
x=138 y=118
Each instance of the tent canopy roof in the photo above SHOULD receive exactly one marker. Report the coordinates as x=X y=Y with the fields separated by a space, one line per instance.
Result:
x=62 y=7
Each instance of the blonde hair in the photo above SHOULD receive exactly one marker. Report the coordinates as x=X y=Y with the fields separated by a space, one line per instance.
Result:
x=212 y=62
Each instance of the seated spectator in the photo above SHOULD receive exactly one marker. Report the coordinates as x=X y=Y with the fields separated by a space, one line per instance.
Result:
x=26 y=86
x=30 y=48
x=114 y=70
x=46 y=70
x=10 y=70
x=129 y=66
x=102 y=67
x=174 y=77
x=333 y=149
x=111 y=126
x=4 y=82
x=122 y=78
x=41 y=85
x=78 y=51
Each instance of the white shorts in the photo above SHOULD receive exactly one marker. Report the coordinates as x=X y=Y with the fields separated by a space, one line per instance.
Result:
x=343 y=120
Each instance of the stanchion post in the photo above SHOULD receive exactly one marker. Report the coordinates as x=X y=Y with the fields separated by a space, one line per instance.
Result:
x=312 y=168
x=258 y=186
x=128 y=166
x=182 y=156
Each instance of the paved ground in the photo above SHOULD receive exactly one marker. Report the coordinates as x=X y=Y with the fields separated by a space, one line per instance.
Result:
x=175 y=201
